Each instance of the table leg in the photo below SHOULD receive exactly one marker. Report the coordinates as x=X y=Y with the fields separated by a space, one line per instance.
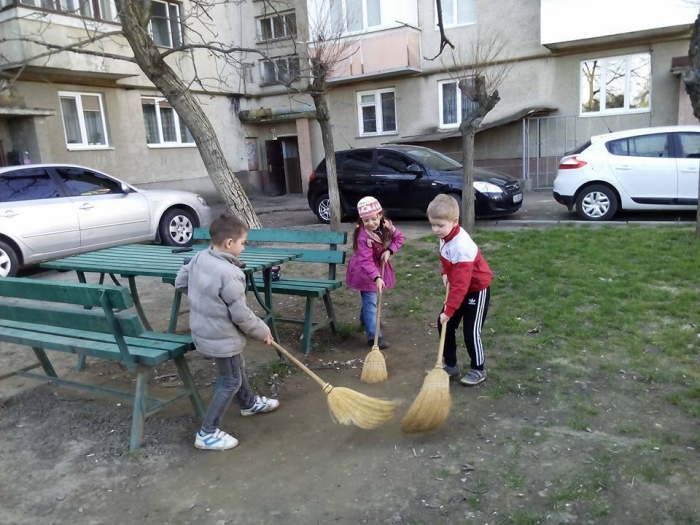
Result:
x=81 y=357
x=265 y=302
x=174 y=311
x=137 y=303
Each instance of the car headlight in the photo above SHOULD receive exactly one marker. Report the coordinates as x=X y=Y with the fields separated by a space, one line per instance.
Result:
x=200 y=199
x=488 y=188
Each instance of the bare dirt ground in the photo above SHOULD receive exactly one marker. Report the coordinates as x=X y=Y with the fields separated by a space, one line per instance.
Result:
x=64 y=454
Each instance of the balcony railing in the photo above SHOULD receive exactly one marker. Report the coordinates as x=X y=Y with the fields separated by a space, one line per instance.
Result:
x=384 y=53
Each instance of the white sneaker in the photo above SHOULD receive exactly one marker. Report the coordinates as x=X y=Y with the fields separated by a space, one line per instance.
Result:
x=262 y=404
x=217 y=440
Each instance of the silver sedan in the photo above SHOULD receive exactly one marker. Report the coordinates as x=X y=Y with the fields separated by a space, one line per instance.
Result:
x=55 y=210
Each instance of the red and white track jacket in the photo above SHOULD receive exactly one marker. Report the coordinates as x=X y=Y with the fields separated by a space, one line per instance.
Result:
x=465 y=267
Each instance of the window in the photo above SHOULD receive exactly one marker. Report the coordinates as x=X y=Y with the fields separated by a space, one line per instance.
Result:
x=81 y=183
x=27 y=184
x=457 y=12
x=83 y=120
x=452 y=103
x=276 y=27
x=100 y=10
x=616 y=85
x=354 y=15
x=282 y=70
x=163 y=125
x=690 y=145
x=164 y=26
x=355 y=161
x=389 y=163
x=377 y=111
x=654 y=146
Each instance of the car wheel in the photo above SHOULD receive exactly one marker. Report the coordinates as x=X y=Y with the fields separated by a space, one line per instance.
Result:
x=596 y=203
x=176 y=228
x=9 y=264
x=322 y=209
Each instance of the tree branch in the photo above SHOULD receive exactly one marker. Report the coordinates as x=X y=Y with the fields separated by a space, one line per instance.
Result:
x=444 y=41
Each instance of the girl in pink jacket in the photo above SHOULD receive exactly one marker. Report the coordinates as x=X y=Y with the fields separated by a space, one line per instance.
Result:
x=375 y=240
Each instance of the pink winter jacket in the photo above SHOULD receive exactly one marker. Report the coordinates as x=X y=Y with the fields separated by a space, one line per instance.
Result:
x=365 y=264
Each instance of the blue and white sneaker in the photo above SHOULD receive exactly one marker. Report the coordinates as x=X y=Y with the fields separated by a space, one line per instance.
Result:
x=474 y=377
x=262 y=404
x=217 y=440
x=452 y=371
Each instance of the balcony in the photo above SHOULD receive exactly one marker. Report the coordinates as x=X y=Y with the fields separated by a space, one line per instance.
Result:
x=26 y=27
x=380 y=54
x=571 y=24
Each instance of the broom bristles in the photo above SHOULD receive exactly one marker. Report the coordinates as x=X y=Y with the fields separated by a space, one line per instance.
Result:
x=432 y=405
x=374 y=367
x=349 y=407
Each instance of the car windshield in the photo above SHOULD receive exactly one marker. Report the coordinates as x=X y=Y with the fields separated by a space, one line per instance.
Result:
x=433 y=159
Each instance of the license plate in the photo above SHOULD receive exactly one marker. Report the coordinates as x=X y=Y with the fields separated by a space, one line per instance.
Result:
x=518 y=197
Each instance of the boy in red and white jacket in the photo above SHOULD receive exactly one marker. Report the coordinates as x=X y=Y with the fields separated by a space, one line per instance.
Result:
x=469 y=276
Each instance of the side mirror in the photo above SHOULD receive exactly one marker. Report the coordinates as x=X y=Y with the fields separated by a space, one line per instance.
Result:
x=414 y=169
x=125 y=188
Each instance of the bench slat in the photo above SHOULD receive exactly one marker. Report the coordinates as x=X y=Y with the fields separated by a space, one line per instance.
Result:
x=295 y=236
x=94 y=320
x=93 y=348
x=64 y=292
x=166 y=344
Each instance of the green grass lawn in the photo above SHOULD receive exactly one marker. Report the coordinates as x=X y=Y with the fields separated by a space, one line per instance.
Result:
x=601 y=325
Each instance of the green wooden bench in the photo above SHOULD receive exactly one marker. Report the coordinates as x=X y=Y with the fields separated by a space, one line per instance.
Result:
x=309 y=287
x=87 y=319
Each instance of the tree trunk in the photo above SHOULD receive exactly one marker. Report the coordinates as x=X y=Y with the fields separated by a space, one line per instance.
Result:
x=148 y=58
x=468 y=134
x=691 y=78
x=480 y=103
x=323 y=116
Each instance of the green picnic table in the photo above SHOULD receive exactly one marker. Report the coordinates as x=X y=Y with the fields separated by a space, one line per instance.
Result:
x=149 y=260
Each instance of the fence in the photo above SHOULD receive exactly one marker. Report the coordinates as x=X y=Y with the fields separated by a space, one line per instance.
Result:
x=545 y=141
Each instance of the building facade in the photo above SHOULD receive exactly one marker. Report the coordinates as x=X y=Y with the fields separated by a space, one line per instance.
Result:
x=99 y=111
x=570 y=69
x=612 y=70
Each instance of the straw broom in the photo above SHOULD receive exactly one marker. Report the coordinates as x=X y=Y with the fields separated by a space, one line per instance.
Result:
x=347 y=406
x=374 y=367
x=432 y=406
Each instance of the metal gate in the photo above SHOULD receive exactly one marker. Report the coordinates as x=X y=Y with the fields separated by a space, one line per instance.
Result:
x=545 y=141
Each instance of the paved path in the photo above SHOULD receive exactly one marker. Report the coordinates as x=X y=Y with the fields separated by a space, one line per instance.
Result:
x=539 y=208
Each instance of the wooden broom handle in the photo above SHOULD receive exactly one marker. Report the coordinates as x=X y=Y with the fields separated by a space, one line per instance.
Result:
x=299 y=364
x=443 y=332
x=379 y=309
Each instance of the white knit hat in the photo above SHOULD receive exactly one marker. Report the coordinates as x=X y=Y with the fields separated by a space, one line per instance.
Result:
x=368 y=207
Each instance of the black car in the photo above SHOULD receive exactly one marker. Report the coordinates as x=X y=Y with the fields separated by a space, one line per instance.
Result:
x=405 y=179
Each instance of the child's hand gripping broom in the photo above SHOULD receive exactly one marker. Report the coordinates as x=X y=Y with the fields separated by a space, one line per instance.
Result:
x=432 y=406
x=374 y=367
x=347 y=406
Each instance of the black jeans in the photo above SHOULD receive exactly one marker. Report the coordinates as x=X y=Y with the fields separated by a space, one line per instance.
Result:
x=232 y=382
x=473 y=309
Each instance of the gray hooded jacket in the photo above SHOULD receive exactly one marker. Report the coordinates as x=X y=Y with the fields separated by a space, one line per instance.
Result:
x=220 y=319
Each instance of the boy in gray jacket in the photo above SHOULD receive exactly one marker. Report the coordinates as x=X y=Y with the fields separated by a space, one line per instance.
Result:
x=220 y=321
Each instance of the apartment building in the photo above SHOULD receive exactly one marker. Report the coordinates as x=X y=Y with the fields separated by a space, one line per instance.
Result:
x=574 y=69
x=102 y=112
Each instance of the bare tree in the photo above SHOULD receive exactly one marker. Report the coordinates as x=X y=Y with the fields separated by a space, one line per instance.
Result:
x=159 y=65
x=478 y=73
x=324 y=46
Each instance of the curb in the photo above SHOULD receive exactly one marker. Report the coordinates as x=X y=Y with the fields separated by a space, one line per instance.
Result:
x=555 y=222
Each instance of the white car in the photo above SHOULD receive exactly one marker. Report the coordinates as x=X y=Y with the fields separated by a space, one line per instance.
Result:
x=55 y=210
x=638 y=169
